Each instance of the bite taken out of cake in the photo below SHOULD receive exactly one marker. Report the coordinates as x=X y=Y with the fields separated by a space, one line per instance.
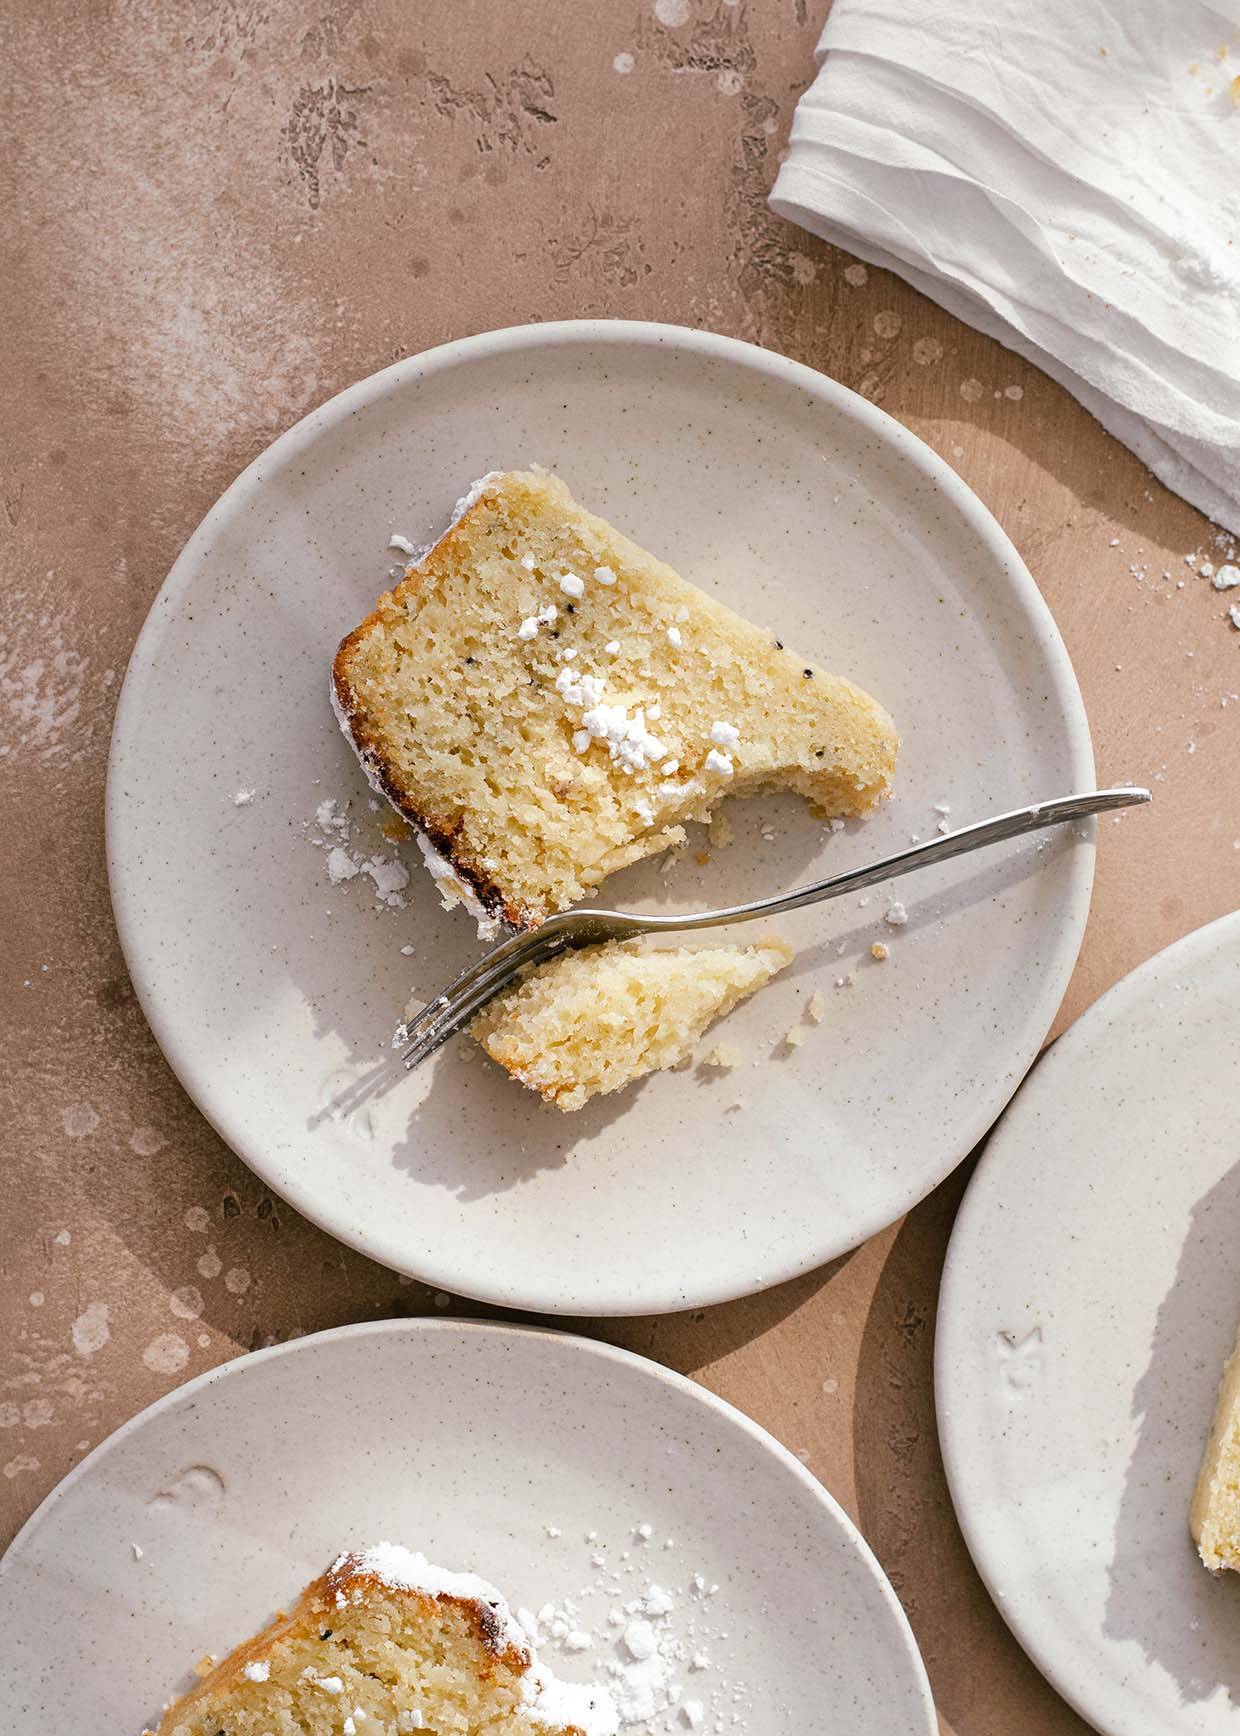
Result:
x=384 y=1644
x=547 y=703
x=593 y=1021
x=1214 y=1515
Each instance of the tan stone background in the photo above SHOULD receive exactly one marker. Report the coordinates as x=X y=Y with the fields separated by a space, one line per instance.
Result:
x=222 y=212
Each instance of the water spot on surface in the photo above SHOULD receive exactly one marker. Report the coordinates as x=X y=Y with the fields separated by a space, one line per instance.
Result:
x=80 y=1120
x=166 y=1354
x=186 y=1303
x=90 y=1330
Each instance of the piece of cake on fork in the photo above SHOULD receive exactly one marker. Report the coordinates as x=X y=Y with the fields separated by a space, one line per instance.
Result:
x=593 y=1021
x=547 y=703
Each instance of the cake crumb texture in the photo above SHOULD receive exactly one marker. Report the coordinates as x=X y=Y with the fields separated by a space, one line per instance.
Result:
x=548 y=703
x=384 y=1644
x=1214 y=1516
x=592 y=1021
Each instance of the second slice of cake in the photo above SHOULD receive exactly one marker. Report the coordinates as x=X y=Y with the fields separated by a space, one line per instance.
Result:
x=1214 y=1516
x=547 y=703
x=591 y=1022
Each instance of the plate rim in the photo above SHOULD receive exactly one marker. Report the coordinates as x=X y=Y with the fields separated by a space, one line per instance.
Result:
x=548 y=1336
x=141 y=669
x=951 y=1430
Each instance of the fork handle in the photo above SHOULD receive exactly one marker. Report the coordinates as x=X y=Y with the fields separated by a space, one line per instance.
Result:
x=1021 y=820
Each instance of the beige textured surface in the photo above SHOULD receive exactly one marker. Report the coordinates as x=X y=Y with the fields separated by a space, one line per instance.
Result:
x=223 y=212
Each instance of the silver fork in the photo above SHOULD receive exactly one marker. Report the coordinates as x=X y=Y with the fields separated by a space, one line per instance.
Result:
x=470 y=992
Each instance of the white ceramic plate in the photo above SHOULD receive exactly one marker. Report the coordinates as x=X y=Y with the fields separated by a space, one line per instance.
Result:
x=473 y=1443
x=1090 y=1299
x=273 y=992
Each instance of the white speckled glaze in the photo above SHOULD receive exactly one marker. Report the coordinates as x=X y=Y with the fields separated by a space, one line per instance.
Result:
x=798 y=503
x=1090 y=1299
x=467 y=1441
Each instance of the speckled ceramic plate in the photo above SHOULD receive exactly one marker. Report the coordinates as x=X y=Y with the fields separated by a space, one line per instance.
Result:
x=273 y=992
x=1090 y=1299
x=524 y=1455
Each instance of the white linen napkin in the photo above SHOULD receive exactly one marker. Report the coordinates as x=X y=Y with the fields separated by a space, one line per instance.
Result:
x=1065 y=177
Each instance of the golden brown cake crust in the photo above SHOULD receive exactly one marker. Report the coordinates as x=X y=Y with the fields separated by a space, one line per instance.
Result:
x=319 y=1601
x=448 y=844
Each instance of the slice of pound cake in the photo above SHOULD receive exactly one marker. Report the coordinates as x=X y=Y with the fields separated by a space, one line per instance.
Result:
x=547 y=703
x=384 y=1644
x=592 y=1021
x=1214 y=1516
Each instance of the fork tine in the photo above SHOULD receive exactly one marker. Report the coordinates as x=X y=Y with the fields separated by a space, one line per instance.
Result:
x=447 y=1019
x=497 y=958
x=452 y=1020
x=448 y=1014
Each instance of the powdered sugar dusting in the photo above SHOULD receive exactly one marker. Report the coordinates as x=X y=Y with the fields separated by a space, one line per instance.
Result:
x=41 y=687
x=652 y=1638
x=548 y=1699
x=453 y=890
x=409 y=1570
x=344 y=860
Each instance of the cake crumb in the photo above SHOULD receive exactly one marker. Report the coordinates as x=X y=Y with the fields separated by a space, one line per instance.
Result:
x=724 y=1056
x=243 y=798
x=879 y=951
x=721 y=832
x=795 y=1036
x=205 y=1664
x=816 y=1007
x=896 y=914
x=393 y=828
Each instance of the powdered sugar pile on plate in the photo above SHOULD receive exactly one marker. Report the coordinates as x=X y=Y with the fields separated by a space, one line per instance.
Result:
x=650 y=1632
x=334 y=833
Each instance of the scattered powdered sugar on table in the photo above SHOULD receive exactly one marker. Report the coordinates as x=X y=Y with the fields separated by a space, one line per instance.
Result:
x=335 y=834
